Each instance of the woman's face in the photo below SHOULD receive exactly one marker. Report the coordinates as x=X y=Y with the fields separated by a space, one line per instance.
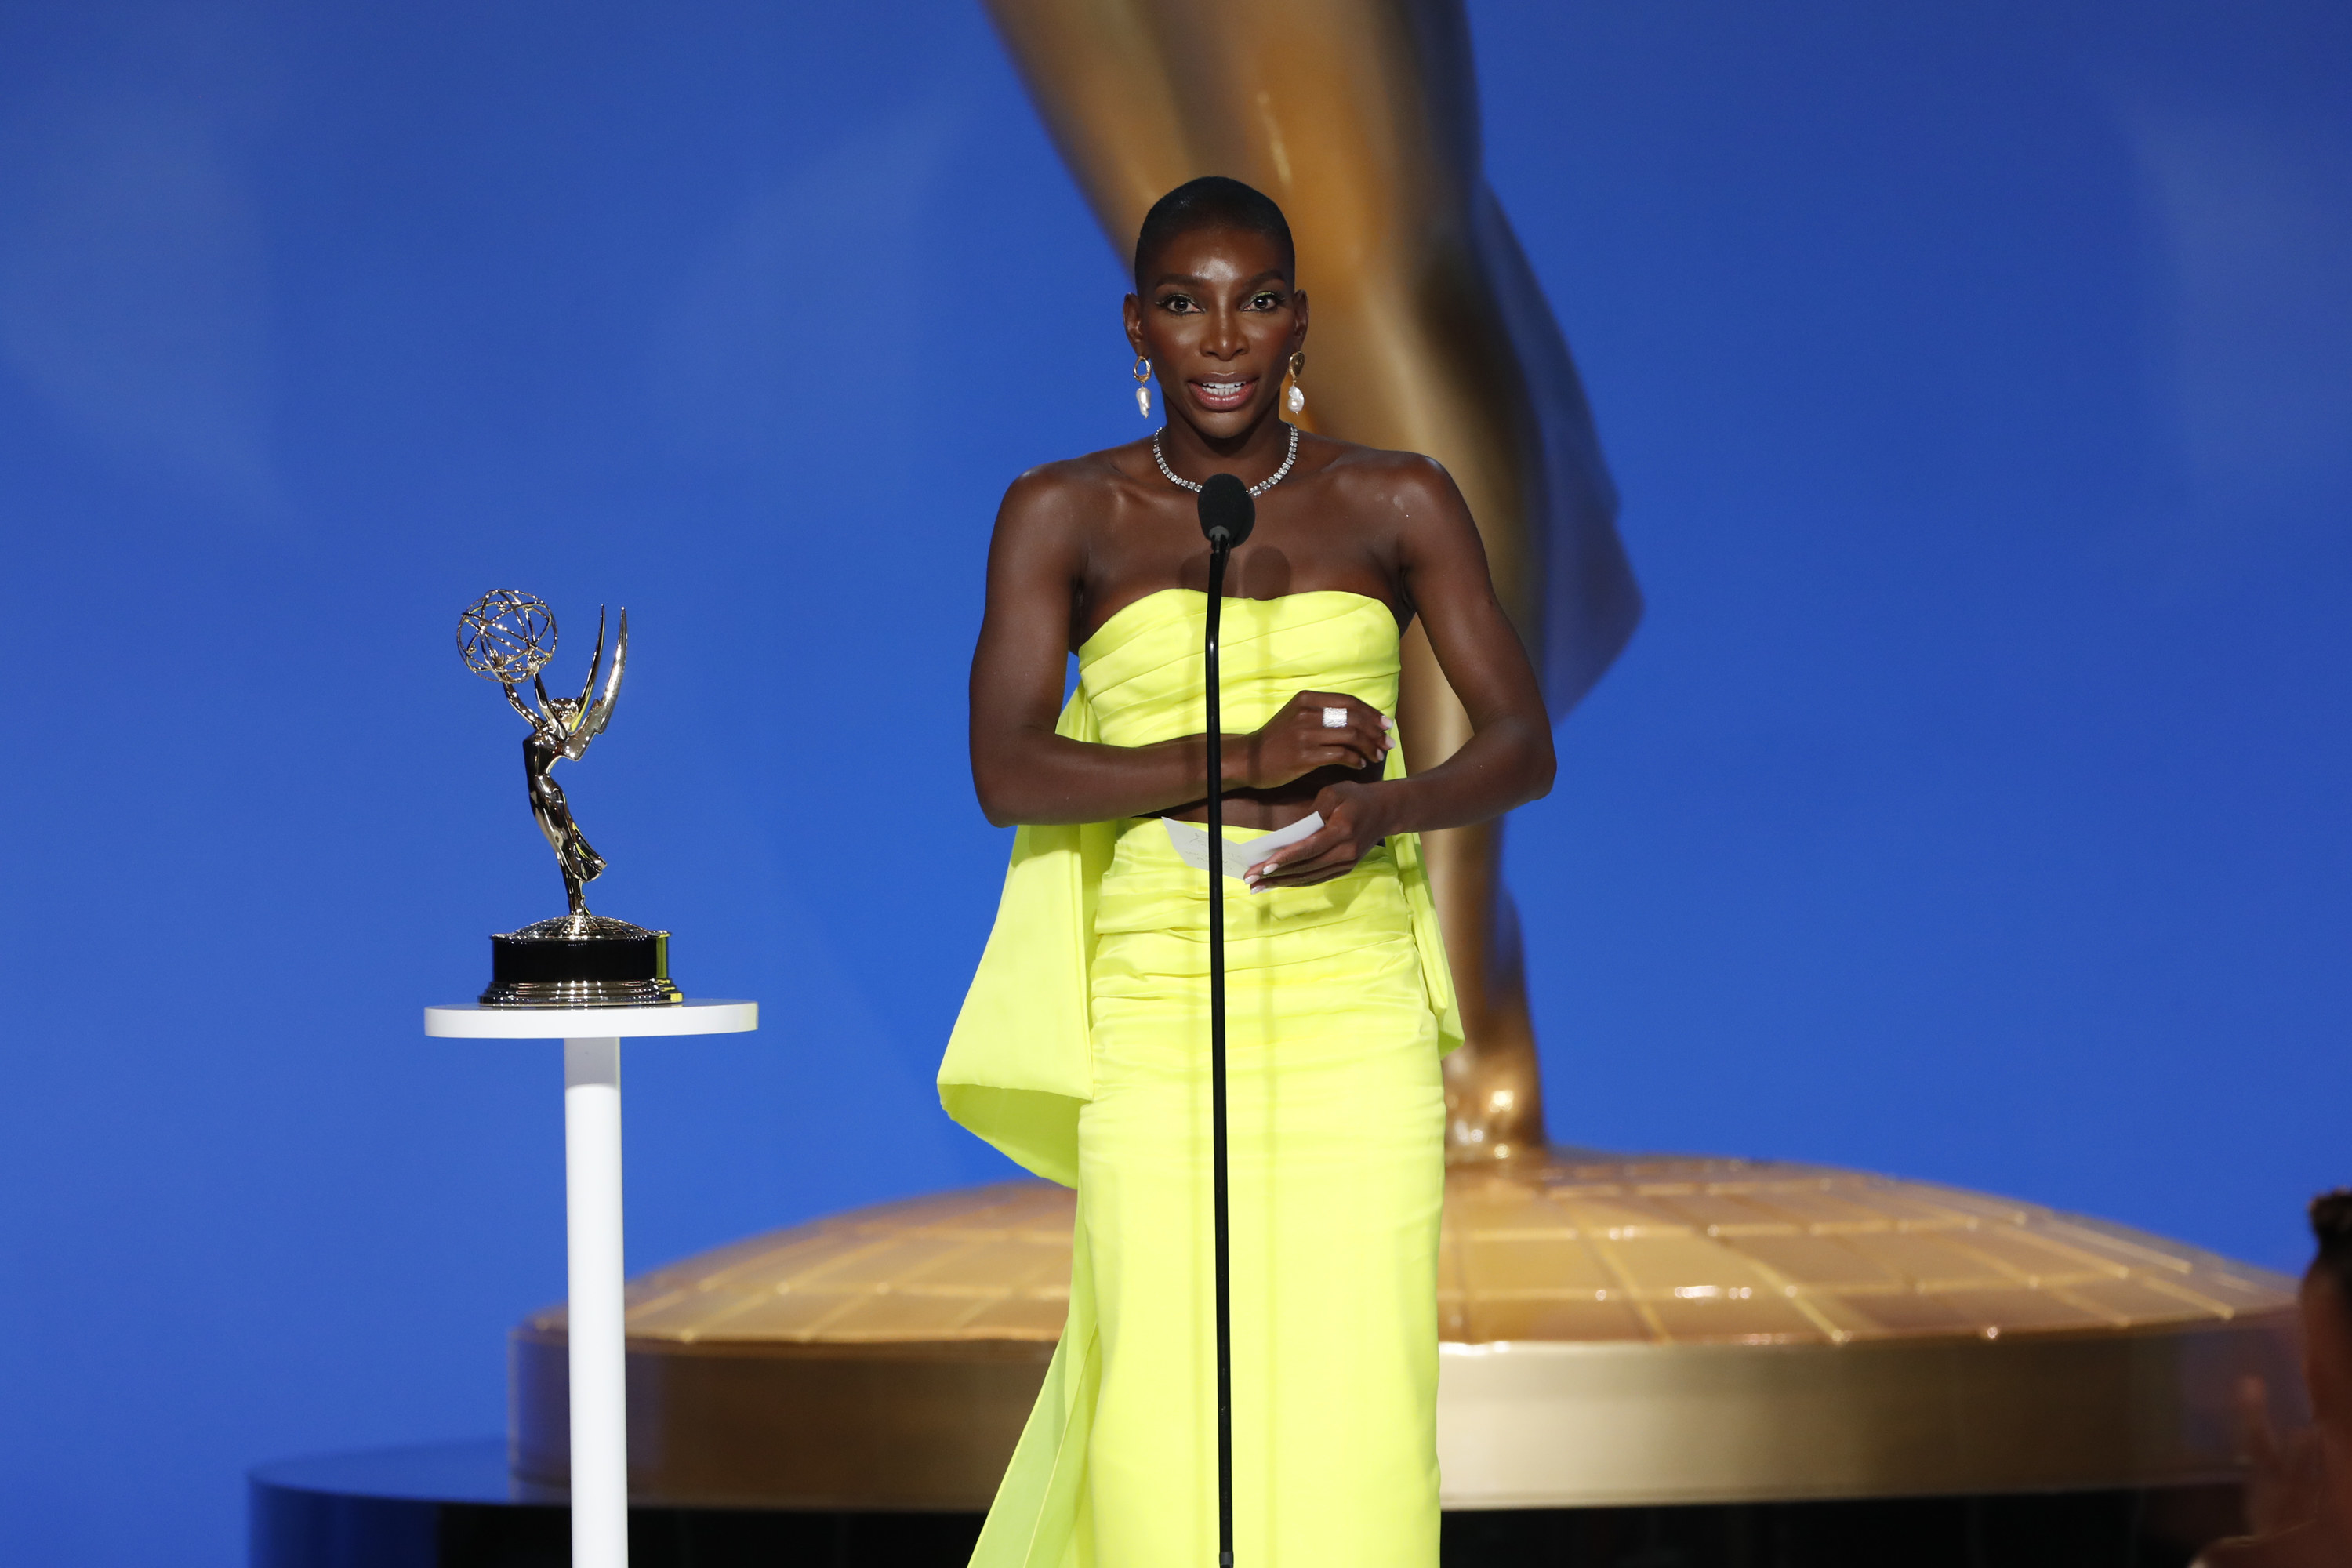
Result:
x=1219 y=320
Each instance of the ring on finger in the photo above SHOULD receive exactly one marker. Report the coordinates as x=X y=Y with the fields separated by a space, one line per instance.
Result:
x=1335 y=717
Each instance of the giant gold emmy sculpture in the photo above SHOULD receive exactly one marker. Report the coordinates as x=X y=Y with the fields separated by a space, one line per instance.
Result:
x=1615 y=1330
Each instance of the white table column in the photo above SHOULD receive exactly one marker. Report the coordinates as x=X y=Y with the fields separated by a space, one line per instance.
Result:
x=591 y=1205
x=592 y=1216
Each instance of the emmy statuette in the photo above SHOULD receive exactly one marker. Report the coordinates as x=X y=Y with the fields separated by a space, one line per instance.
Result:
x=577 y=959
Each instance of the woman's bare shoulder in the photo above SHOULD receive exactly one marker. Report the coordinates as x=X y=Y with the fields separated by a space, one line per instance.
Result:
x=1407 y=484
x=1066 y=499
x=1091 y=478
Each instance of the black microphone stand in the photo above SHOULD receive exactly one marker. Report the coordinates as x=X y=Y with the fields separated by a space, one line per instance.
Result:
x=1227 y=515
x=1219 y=549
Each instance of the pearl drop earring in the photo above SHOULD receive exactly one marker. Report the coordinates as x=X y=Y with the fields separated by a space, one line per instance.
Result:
x=1296 y=398
x=1143 y=386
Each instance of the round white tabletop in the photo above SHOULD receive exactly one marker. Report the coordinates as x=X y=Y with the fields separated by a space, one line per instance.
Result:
x=472 y=1020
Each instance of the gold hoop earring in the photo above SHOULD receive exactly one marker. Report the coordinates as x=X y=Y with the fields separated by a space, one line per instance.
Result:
x=1143 y=386
x=1296 y=398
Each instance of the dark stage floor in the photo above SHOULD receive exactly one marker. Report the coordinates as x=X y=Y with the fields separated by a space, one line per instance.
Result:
x=454 y=1506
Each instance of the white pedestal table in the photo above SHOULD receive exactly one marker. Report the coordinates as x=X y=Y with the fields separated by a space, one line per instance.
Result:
x=592 y=1040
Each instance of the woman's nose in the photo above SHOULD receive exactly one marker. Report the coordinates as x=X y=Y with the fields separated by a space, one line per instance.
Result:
x=1225 y=337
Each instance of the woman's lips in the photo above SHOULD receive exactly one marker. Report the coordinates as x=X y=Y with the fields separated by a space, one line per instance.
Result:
x=1221 y=396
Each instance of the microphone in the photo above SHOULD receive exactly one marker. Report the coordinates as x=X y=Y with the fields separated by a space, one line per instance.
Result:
x=1227 y=511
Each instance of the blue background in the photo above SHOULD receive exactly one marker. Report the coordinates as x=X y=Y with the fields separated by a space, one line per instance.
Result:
x=1971 y=805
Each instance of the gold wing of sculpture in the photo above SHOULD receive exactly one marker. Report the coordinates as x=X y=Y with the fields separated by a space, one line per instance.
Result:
x=595 y=662
x=595 y=715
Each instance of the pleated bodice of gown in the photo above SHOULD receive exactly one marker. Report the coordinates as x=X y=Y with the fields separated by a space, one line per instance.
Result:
x=1142 y=671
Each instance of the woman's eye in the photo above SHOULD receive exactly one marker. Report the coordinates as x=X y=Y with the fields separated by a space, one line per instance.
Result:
x=1267 y=303
x=1177 y=304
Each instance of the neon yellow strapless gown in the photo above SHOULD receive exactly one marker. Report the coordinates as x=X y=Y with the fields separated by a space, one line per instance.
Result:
x=1083 y=1051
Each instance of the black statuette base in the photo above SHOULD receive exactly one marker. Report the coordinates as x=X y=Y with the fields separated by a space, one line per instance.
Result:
x=581 y=960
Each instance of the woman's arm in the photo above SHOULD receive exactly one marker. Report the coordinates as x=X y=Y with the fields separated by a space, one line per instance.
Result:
x=1507 y=760
x=1021 y=771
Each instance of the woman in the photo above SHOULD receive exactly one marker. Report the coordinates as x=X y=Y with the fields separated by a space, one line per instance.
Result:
x=1082 y=1049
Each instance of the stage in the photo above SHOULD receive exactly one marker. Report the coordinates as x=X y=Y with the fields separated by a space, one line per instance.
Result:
x=455 y=1506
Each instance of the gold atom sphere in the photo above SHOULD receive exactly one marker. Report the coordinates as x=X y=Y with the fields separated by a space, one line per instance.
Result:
x=508 y=635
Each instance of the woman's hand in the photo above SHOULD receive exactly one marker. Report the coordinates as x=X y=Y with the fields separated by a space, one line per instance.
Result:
x=1300 y=739
x=1356 y=817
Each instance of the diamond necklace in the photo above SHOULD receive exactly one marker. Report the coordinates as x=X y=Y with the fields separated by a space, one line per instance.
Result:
x=1255 y=490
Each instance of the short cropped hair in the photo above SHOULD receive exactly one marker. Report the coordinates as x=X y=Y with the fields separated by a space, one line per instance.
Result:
x=1212 y=201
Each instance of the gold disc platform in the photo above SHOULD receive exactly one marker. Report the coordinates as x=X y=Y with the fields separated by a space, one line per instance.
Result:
x=1617 y=1331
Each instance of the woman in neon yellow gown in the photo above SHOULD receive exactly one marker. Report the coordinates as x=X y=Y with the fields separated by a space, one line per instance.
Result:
x=1082 y=1049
